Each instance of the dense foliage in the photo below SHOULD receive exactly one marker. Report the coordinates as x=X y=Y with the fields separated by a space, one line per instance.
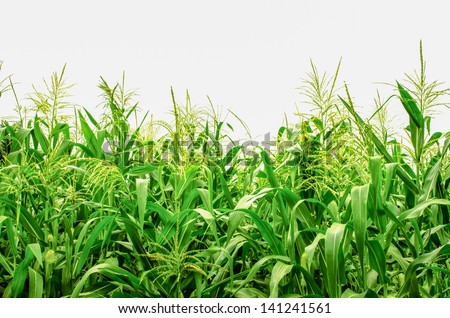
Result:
x=336 y=206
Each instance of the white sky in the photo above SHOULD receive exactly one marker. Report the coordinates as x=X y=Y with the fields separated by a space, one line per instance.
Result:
x=248 y=56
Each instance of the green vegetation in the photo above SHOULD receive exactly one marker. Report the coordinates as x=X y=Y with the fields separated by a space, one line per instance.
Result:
x=338 y=206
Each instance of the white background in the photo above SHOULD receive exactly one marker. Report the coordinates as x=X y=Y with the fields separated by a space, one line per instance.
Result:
x=247 y=56
x=345 y=308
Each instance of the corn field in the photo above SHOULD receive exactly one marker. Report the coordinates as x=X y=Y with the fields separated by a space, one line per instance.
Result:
x=127 y=206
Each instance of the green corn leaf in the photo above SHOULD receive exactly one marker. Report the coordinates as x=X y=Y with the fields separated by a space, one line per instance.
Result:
x=310 y=251
x=359 y=197
x=163 y=213
x=411 y=107
x=6 y=265
x=230 y=156
x=225 y=189
x=186 y=181
x=247 y=201
x=119 y=275
x=11 y=235
x=279 y=271
x=92 y=143
x=389 y=180
x=234 y=221
x=21 y=273
x=418 y=209
x=269 y=170
x=101 y=226
x=432 y=175
x=29 y=222
x=141 y=197
x=250 y=293
x=36 y=249
x=36 y=284
x=60 y=128
x=258 y=265
x=433 y=139
x=375 y=210
x=133 y=231
x=377 y=259
x=209 y=219
x=181 y=220
x=334 y=258
x=141 y=171
x=92 y=119
x=410 y=284
x=267 y=232
x=303 y=214
x=39 y=134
